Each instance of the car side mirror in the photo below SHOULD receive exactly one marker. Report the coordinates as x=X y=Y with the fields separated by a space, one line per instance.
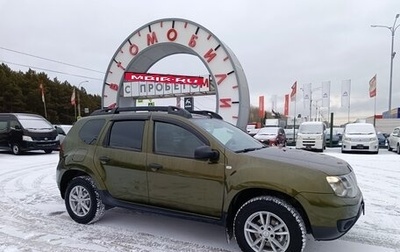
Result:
x=17 y=127
x=205 y=152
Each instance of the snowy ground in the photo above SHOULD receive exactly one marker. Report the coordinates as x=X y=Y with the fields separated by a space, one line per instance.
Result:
x=33 y=215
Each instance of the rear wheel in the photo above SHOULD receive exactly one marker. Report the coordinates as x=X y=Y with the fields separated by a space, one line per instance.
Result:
x=269 y=224
x=398 y=149
x=48 y=151
x=389 y=149
x=82 y=200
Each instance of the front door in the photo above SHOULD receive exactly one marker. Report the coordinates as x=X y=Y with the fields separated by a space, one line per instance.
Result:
x=178 y=181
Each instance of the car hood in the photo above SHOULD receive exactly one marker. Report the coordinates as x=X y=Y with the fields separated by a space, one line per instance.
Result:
x=301 y=159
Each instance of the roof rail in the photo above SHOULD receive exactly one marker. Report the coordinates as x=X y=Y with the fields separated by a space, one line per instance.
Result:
x=169 y=109
x=207 y=113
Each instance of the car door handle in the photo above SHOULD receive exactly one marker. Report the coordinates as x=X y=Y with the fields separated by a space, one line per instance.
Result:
x=155 y=167
x=104 y=159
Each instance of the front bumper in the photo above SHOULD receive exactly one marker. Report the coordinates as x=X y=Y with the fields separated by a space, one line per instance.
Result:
x=40 y=145
x=372 y=146
x=330 y=216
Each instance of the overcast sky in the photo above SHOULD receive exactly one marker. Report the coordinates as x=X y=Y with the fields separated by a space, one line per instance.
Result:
x=277 y=43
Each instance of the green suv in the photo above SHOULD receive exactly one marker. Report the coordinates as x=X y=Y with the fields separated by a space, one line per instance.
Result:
x=194 y=165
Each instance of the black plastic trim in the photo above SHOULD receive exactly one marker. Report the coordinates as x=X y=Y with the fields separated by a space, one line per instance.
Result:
x=110 y=201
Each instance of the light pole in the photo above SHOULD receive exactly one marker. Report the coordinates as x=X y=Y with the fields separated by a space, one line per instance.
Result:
x=79 y=102
x=392 y=54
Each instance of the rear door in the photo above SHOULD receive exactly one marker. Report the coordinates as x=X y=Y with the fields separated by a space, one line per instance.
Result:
x=122 y=161
x=177 y=180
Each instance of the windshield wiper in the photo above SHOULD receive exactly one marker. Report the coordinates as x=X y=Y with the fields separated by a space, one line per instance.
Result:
x=250 y=149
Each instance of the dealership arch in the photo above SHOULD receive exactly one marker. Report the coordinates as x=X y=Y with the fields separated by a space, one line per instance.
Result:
x=161 y=38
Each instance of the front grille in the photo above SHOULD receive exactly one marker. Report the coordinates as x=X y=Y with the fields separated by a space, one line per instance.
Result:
x=359 y=147
x=45 y=136
x=309 y=142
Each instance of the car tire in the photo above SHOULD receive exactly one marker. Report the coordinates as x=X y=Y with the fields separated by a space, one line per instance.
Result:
x=48 y=151
x=16 y=149
x=389 y=149
x=398 y=149
x=82 y=200
x=253 y=233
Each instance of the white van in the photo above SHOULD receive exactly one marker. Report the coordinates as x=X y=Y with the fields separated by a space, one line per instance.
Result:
x=360 y=137
x=311 y=136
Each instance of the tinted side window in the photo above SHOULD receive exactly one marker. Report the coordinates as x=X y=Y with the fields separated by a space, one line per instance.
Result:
x=14 y=123
x=174 y=140
x=91 y=130
x=127 y=134
x=3 y=124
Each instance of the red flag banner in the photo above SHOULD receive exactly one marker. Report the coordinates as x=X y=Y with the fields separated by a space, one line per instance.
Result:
x=372 y=87
x=293 y=93
x=261 y=110
x=73 y=100
x=286 y=106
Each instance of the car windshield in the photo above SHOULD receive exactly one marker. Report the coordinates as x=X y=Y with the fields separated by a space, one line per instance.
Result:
x=310 y=129
x=360 y=129
x=268 y=131
x=335 y=131
x=34 y=123
x=290 y=131
x=228 y=135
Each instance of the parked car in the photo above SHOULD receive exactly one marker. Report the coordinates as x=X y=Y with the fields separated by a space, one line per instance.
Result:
x=20 y=132
x=271 y=136
x=291 y=135
x=360 y=137
x=194 y=165
x=311 y=136
x=62 y=131
x=337 y=133
x=252 y=132
x=382 y=140
x=394 y=140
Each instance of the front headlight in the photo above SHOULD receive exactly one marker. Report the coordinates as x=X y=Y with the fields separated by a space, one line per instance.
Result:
x=344 y=186
x=27 y=138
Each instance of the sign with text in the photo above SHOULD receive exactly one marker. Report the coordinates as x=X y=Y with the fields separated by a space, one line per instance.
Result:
x=145 y=84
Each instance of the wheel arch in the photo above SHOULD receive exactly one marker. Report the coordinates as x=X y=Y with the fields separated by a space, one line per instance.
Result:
x=67 y=177
x=247 y=194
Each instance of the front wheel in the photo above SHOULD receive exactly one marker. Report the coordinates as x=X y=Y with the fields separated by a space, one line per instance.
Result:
x=16 y=150
x=82 y=200
x=269 y=224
